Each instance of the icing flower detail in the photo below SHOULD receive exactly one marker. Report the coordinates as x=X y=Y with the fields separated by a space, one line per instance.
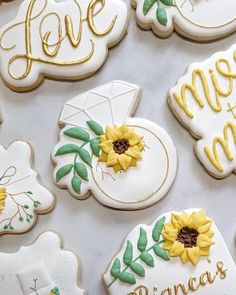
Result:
x=55 y=291
x=188 y=236
x=121 y=147
x=3 y=195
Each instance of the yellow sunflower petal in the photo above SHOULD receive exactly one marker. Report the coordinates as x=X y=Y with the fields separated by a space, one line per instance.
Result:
x=133 y=163
x=203 y=241
x=176 y=249
x=125 y=130
x=106 y=146
x=193 y=221
x=117 y=168
x=205 y=228
x=179 y=221
x=112 y=158
x=170 y=234
x=134 y=152
x=202 y=218
x=102 y=138
x=205 y=251
x=134 y=139
x=184 y=256
x=103 y=157
x=113 y=134
x=124 y=161
x=167 y=245
x=209 y=234
x=140 y=146
x=194 y=254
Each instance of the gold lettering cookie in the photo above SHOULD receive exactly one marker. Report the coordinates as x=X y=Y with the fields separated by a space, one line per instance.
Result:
x=43 y=268
x=180 y=253
x=59 y=39
x=22 y=197
x=126 y=163
x=204 y=102
x=190 y=18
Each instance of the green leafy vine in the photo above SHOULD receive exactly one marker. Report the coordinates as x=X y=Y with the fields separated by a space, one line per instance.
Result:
x=82 y=157
x=161 y=13
x=145 y=256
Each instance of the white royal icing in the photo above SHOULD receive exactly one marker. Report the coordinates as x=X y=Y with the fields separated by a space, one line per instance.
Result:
x=167 y=274
x=190 y=18
x=42 y=268
x=25 y=197
x=208 y=122
x=140 y=186
x=59 y=39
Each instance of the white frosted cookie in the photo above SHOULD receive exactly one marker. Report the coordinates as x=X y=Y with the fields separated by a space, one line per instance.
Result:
x=190 y=18
x=43 y=268
x=180 y=253
x=66 y=39
x=22 y=197
x=204 y=101
x=126 y=163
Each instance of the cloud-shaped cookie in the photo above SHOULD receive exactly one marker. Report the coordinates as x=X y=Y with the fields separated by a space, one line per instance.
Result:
x=59 y=39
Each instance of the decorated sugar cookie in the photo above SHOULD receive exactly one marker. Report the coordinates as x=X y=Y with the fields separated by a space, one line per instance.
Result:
x=204 y=101
x=22 y=197
x=66 y=39
x=180 y=253
x=126 y=163
x=43 y=268
x=190 y=18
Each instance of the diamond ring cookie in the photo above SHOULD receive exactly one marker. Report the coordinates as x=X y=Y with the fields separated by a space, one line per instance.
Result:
x=22 y=197
x=204 y=102
x=43 y=268
x=180 y=253
x=190 y=18
x=59 y=39
x=126 y=163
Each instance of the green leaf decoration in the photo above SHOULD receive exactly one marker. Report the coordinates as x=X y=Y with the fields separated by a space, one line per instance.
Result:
x=156 y=233
x=85 y=156
x=78 y=133
x=67 y=149
x=160 y=252
x=147 y=258
x=95 y=127
x=127 y=277
x=5 y=227
x=94 y=144
x=76 y=184
x=55 y=291
x=128 y=255
x=148 y=5
x=63 y=171
x=21 y=219
x=162 y=16
x=168 y=2
x=81 y=170
x=115 y=270
x=138 y=269
x=142 y=242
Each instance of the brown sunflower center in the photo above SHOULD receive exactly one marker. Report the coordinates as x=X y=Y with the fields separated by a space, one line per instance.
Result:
x=188 y=237
x=120 y=146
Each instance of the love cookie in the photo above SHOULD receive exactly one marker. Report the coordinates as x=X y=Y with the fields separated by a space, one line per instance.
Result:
x=43 y=268
x=180 y=253
x=22 y=197
x=59 y=39
x=190 y=18
x=126 y=163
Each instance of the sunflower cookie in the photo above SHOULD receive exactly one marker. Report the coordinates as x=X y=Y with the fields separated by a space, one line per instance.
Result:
x=21 y=195
x=180 y=253
x=40 y=270
x=190 y=18
x=59 y=39
x=126 y=163
x=204 y=102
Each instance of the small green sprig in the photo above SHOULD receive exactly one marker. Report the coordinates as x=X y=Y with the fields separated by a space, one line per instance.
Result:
x=133 y=267
x=82 y=157
x=161 y=13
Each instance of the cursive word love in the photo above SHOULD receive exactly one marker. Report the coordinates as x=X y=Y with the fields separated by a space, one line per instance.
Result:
x=193 y=284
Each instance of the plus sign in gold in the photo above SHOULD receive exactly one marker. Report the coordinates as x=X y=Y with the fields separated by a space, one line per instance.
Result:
x=232 y=109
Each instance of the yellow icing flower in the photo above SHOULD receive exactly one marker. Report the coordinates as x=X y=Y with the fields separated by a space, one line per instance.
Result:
x=121 y=147
x=188 y=236
x=3 y=195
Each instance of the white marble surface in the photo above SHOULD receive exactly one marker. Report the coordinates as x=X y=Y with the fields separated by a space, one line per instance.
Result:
x=89 y=229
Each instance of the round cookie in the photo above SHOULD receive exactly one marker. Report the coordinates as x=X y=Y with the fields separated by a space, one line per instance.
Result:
x=40 y=270
x=190 y=18
x=59 y=39
x=22 y=197
x=204 y=102
x=126 y=163
x=180 y=253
